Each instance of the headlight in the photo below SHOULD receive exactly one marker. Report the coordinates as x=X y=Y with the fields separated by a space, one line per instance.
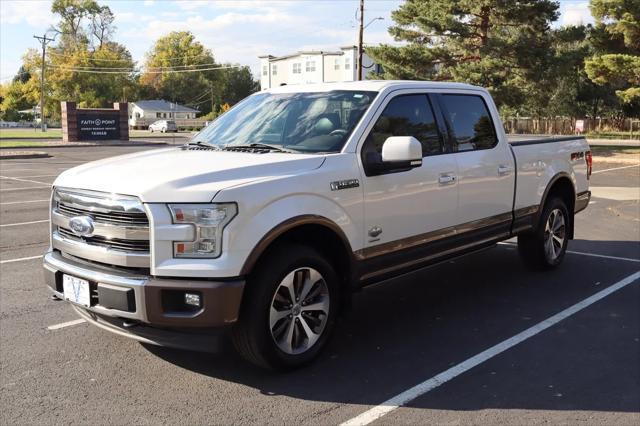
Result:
x=209 y=221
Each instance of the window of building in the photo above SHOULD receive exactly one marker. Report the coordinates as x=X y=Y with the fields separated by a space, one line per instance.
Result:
x=265 y=70
x=470 y=122
x=310 y=66
x=297 y=68
x=406 y=115
x=158 y=115
x=336 y=64
x=347 y=63
x=274 y=69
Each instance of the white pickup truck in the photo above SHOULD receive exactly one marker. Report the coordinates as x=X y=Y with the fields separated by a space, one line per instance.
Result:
x=271 y=217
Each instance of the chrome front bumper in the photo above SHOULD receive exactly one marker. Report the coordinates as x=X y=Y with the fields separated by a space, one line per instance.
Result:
x=144 y=299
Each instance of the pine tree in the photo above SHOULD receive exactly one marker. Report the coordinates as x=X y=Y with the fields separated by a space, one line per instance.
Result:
x=498 y=44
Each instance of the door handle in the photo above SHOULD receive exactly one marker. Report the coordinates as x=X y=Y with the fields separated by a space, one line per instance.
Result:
x=446 y=179
x=504 y=170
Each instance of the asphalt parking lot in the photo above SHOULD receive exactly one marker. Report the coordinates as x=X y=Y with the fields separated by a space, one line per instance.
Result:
x=582 y=368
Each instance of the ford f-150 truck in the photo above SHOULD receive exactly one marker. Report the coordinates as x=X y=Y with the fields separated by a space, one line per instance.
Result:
x=271 y=217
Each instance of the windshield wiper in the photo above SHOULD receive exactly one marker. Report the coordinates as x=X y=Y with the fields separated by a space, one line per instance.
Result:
x=202 y=144
x=261 y=146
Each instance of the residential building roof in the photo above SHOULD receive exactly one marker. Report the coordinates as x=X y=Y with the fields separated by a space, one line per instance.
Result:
x=162 y=105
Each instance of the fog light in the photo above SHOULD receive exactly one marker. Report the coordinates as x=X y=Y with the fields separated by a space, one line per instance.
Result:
x=192 y=299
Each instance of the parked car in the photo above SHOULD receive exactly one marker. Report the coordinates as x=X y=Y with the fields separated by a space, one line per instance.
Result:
x=163 y=126
x=272 y=216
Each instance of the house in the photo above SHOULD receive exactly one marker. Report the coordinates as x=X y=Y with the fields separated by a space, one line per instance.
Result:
x=314 y=67
x=143 y=113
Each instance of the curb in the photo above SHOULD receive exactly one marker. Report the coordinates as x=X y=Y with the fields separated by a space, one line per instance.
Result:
x=88 y=146
x=25 y=155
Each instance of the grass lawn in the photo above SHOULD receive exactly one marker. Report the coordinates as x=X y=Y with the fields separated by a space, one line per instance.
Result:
x=612 y=150
x=612 y=135
x=30 y=133
x=21 y=144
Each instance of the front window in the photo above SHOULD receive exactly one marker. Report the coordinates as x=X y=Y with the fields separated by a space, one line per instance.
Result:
x=347 y=64
x=274 y=70
x=264 y=70
x=305 y=122
x=336 y=64
x=297 y=68
x=310 y=66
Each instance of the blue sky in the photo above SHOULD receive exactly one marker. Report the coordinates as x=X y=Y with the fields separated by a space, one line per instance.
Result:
x=236 y=31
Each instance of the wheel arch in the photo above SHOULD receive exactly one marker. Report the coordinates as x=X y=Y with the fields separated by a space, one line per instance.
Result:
x=560 y=185
x=315 y=231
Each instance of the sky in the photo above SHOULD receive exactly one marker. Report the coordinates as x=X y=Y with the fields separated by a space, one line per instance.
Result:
x=236 y=31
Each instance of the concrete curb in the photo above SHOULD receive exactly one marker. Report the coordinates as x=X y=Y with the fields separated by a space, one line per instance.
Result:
x=88 y=145
x=25 y=155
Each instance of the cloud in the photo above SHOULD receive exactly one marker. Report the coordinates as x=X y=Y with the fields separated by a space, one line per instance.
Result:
x=32 y=13
x=148 y=2
x=576 y=14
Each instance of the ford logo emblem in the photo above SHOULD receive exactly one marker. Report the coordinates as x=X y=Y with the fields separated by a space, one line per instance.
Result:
x=81 y=225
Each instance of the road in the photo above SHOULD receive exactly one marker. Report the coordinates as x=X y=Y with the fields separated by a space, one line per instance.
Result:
x=581 y=369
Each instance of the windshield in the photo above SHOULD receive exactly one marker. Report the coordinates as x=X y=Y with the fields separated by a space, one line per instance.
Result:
x=304 y=122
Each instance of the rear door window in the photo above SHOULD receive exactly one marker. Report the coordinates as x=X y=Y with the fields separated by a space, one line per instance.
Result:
x=470 y=123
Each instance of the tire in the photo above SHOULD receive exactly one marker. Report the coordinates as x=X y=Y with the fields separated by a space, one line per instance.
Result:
x=545 y=247
x=150 y=129
x=279 y=338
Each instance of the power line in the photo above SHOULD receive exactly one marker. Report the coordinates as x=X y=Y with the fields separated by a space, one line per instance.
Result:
x=133 y=70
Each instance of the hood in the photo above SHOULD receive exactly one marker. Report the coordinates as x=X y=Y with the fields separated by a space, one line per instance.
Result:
x=182 y=176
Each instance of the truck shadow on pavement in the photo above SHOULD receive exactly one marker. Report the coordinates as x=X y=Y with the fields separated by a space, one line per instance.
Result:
x=401 y=333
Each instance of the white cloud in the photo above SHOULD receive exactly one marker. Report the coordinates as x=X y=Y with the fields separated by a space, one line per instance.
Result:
x=33 y=13
x=576 y=14
x=148 y=2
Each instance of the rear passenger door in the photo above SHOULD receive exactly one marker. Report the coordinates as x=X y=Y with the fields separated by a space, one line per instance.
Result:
x=486 y=176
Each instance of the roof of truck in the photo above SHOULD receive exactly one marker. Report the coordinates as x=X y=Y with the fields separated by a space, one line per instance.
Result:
x=370 y=85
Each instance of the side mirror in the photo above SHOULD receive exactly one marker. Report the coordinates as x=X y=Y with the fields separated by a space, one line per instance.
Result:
x=399 y=153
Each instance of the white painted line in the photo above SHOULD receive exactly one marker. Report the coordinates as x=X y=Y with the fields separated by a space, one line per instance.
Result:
x=23 y=202
x=36 y=176
x=581 y=253
x=66 y=324
x=48 y=186
x=20 y=259
x=24 y=180
x=24 y=223
x=628 y=259
x=420 y=389
x=615 y=168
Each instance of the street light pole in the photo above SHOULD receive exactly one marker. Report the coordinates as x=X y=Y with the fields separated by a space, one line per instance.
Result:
x=43 y=40
x=360 y=35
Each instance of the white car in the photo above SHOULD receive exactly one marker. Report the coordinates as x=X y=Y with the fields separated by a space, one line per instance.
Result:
x=273 y=215
x=163 y=126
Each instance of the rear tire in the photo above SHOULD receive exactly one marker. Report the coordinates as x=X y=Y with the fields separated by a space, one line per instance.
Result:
x=289 y=308
x=545 y=247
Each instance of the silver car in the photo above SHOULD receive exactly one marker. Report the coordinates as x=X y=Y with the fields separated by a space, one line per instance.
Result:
x=163 y=126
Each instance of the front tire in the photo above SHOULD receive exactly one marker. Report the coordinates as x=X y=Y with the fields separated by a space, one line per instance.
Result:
x=546 y=246
x=289 y=308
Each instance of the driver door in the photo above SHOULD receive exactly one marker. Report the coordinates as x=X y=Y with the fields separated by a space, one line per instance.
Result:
x=405 y=209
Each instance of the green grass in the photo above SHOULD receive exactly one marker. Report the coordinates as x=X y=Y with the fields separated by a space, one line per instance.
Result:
x=613 y=135
x=30 y=133
x=613 y=150
x=22 y=144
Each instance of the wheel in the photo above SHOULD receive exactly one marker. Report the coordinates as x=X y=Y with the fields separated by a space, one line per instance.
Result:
x=546 y=246
x=163 y=130
x=151 y=129
x=289 y=308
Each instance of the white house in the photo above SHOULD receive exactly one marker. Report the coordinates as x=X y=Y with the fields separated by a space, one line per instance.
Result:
x=143 y=113
x=314 y=67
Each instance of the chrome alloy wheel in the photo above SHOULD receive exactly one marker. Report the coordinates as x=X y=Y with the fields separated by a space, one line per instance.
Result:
x=554 y=235
x=299 y=311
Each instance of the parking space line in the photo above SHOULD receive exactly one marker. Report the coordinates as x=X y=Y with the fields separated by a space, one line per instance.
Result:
x=409 y=395
x=36 y=176
x=615 y=168
x=24 y=223
x=23 y=202
x=581 y=253
x=66 y=324
x=24 y=189
x=20 y=259
x=24 y=180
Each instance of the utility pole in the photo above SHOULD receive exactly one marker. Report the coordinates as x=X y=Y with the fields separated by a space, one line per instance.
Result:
x=360 y=33
x=43 y=40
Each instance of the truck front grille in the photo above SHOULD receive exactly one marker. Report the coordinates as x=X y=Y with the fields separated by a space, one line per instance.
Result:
x=117 y=232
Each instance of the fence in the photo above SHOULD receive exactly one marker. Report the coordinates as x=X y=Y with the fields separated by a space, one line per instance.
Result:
x=567 y=126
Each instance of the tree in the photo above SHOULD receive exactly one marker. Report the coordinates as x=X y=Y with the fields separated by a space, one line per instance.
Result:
x=481 y=42
x=167 y=72
x=239 y=83
x=617 y=40
x=72 y=15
